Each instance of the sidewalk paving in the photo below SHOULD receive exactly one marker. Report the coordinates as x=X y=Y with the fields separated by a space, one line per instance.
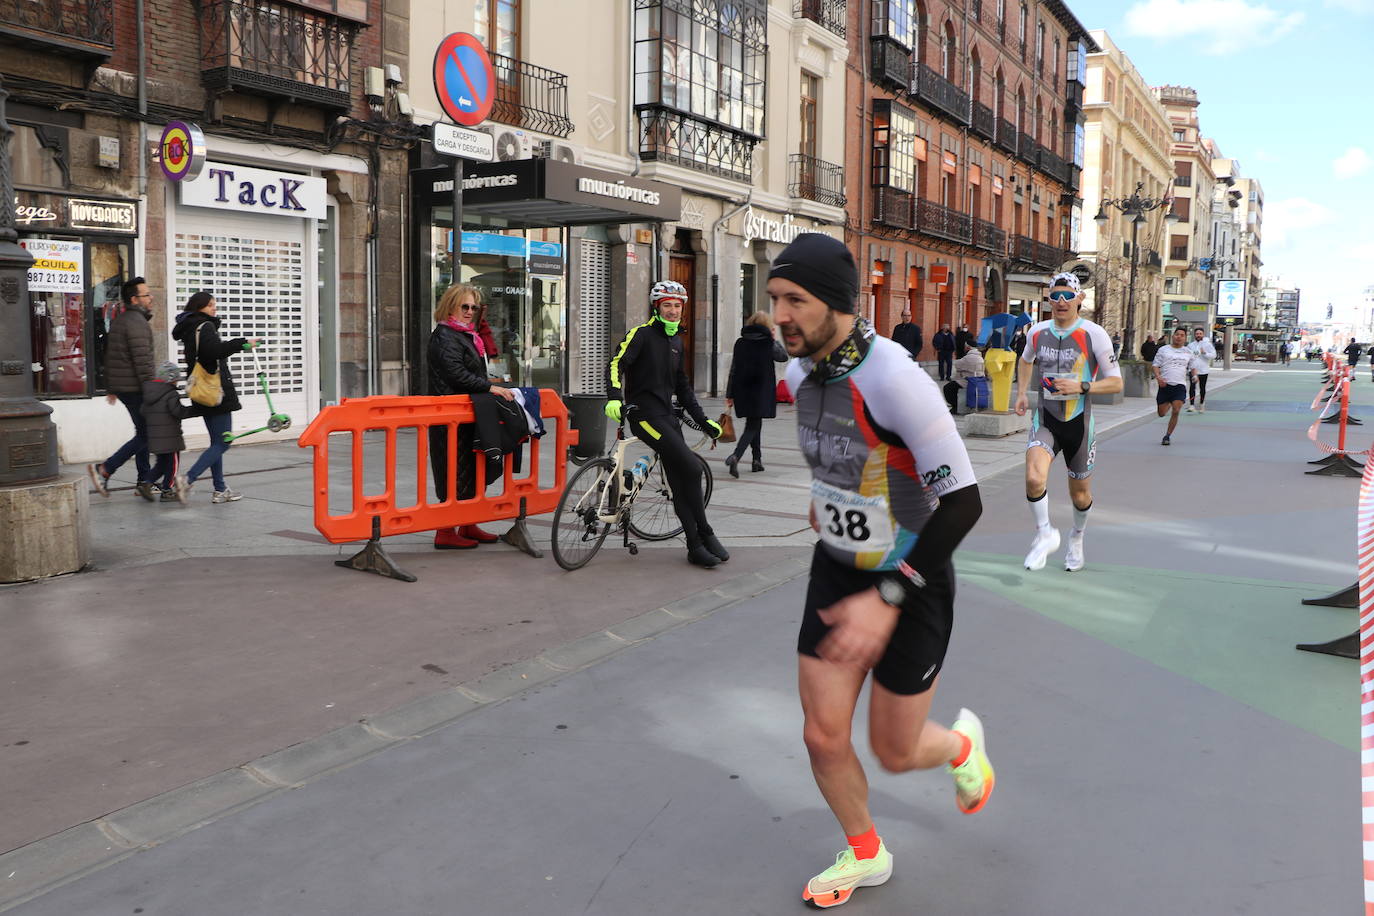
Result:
x=213 y=646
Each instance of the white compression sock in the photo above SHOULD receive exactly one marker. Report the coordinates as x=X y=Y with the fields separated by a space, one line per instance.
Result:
x=1080 y=519
x=1040 y=508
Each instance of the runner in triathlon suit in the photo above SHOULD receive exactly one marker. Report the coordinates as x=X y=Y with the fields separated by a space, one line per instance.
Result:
x=1069 y=356
x=642 y=378
x=893 y=494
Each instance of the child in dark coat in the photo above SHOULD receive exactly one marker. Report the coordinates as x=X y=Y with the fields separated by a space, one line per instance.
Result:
x=163 y=413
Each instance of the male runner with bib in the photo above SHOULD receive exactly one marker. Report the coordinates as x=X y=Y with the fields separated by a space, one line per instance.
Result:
x=1070 y=356
x=892 y=495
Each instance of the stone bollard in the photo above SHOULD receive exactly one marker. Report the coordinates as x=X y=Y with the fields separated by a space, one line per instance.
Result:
x=43 y=528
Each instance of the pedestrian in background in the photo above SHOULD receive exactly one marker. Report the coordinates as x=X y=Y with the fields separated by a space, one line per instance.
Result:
x=968 y=366
x=944 y=351
x=458 y=365
x=1353 y=350
x=1203 y=354
x=197 y=329
x=163 y=412
x=751 y=390
x=1116 y=344
x=128 y=364
x=1149 y=348
x=908 y=334
x=964 y=341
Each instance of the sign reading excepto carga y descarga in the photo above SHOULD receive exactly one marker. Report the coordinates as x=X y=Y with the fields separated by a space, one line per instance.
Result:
x=463 y=79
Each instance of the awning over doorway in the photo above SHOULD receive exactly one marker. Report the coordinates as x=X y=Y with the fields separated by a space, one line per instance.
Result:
x=529 y=193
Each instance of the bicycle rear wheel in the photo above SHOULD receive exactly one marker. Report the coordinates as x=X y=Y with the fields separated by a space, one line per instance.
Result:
x=651 y=516
x=577 y=532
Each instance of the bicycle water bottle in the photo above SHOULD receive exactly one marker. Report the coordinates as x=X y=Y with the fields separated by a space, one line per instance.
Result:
x=640 y=469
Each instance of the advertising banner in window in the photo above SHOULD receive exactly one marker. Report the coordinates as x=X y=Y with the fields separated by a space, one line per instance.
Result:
x=1231 y=298
x=57 y=266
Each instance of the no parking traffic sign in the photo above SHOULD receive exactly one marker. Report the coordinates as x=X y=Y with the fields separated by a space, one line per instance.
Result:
x=463 y=79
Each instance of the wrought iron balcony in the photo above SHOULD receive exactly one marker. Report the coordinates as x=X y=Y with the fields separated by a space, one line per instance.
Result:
x=983 y=122
x=530 y=96
x=942 y=222
x=827 y=13
x=1026 y=148
x=989 y=238
x=1048 y=256
x=939 y=93
x=815 y=179
x=891 y=63
x=1006 y=136
x=1153 y=260
x=1023 y=249
x=1053 y=165
x=669 y=135
x=83 y=28
x=892 y=207
x=1183 y=181
x=278 y=50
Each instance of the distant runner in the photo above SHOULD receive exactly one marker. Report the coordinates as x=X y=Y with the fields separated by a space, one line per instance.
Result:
x=1172 y=366
x=893 y=494
x=1070 y=356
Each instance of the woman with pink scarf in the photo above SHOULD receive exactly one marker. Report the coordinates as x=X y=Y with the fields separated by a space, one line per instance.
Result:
x=458 y=365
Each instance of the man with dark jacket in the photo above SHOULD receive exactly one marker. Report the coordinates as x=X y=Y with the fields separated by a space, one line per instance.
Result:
x=128 y=364
x=964 y=341
x=643 y=376
x=908 y=334
x=1353 y=351
x=944 y=351
x=1149 y=348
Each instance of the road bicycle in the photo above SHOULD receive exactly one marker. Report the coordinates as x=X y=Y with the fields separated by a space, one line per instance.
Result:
x=627 y=490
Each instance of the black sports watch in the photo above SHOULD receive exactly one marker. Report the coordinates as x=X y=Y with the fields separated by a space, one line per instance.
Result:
x=1087 y=386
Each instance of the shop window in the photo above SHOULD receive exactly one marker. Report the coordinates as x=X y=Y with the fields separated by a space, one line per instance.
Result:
x=33 y=163
x=74 y=294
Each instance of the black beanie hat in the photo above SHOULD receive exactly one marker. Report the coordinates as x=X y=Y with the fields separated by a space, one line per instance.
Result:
x=824 y=267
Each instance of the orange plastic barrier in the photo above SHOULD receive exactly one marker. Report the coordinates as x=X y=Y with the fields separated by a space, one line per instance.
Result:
x=389 y=414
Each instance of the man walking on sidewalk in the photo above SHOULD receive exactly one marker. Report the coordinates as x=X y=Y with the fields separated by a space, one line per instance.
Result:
x=908 y=334
x=1203 y=354
x=1171 y=367
x=1069 y=356
x=943 y=341
x=128 y=364
x=893 y=494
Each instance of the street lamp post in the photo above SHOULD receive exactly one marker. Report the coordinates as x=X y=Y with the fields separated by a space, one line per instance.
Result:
x=1136 y=206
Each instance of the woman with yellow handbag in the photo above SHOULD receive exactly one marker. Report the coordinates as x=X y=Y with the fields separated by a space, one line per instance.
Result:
x=210 y=386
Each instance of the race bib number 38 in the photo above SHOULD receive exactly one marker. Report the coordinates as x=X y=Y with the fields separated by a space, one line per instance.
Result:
x=849 y=521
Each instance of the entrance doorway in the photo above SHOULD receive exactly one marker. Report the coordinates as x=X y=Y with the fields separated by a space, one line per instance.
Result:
x=682 y=267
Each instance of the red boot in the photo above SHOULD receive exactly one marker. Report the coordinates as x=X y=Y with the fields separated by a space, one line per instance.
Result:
x=473 y=533
x=452 y=539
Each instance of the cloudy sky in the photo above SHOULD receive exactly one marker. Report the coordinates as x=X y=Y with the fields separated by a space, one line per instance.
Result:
x=1287 y=89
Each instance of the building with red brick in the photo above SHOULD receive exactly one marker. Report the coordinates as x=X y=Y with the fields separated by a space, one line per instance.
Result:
x=966 y=148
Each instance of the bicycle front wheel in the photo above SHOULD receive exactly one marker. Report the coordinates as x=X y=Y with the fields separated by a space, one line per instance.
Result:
x=652 y=517
x=577 y=531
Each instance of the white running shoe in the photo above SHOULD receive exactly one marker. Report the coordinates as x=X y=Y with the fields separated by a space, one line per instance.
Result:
x=1189 y=409
x=1073 y=557
x=1202 y=408
x=1046 y=542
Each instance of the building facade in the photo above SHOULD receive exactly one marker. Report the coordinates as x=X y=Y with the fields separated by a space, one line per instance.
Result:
x=966 y=148
x=729 y=118
x=1187 y=287
x=280 y=225
x=1127 y=136
x=1251 y=213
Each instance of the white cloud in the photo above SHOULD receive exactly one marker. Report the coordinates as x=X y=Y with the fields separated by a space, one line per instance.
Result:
x=1224 y=26
x=1354 y=161
x=1352 y=6
x=1285 y=221
x=1262 y=155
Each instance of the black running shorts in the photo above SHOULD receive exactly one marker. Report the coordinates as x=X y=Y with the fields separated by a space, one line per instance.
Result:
x=916 y=651
x=1167 y=394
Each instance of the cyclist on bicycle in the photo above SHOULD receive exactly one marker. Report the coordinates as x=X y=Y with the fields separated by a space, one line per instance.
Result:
x=645 y=373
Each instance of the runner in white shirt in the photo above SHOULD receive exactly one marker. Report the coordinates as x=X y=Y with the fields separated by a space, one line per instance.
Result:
x=1172 y=365
x=1203 y=354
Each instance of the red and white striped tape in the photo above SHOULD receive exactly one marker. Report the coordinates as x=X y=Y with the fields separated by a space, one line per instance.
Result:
x=1365 y=552
x=1312 y=430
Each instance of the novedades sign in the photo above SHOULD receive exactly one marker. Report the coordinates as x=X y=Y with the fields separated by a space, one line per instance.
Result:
x=247 y=190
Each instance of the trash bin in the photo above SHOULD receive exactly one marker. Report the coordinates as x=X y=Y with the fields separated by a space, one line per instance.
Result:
x=587 y=415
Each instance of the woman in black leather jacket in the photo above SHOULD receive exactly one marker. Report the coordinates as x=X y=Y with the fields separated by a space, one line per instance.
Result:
x=458 y=365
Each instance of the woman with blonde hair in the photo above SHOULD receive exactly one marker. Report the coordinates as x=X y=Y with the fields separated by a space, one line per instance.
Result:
x=458 y=365
x=752 y=388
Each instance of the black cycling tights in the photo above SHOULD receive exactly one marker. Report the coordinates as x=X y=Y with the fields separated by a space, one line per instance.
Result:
x=683 y=470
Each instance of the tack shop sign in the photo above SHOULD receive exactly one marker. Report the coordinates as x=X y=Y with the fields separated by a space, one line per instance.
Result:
x=224 y=186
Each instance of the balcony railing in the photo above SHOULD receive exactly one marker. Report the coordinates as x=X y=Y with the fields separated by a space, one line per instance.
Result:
x=1183 y=181
x=939 y=93
x=827 y=13
x=85 y=27
x=942 y=222
x=1006 y=135
x=530 y=96
x=892 y=207
x=1054 y=166
x=1152 y=259
x=1178 y=254
x=668 y=135
x=1026 y=149
x=276 y=49
x=815 y=179
x=1023 y=249
x=1048 y=256
x=891 y=63
x=989 y=238
x=983 y=122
